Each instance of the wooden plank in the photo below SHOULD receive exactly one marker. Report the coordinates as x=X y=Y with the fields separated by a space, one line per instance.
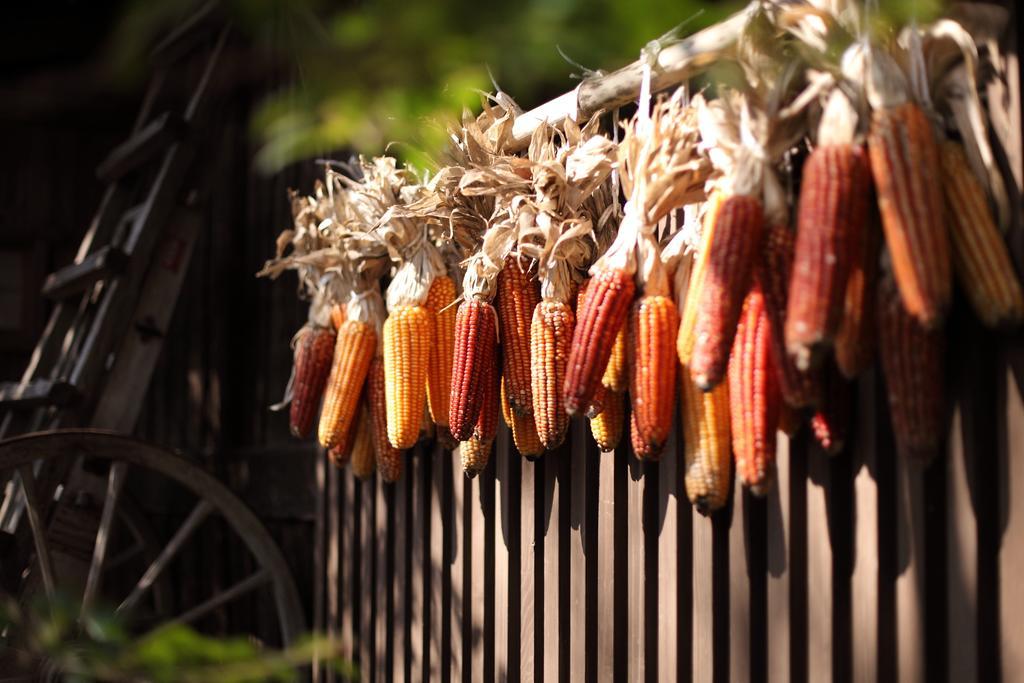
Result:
x=143 y=145
x=910 y=586
x=366 y=597
x=383 y=570
x=1011 y=555
x=607 y=580
x=636 y=574
x=36 y=393
x=502 y=528
x=865 y=582
x=78 y=276
x=474 y=584
x=417 y=573
x=324 y=537
x=672 y=658
x=703 y=600
x=456 y=559
x=577 y=558
x=778 y=536
x=530 y=606
x=739 y=587
x=438 y=545
x=346 y=551
x=819 y=567
x=552 y=596
x=961 y=561
x=400 y=587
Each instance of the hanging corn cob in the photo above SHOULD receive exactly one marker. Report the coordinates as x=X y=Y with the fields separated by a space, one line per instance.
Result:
x=834 y=192
x=754 y=396
x=518 y=296
x=906 y=169
x=855 y=341
x=799 y=388
x=354 y=349
x=979 y=254
x=550 y=336
x=606 y=426
x=689 y=305
x=387 y=457
x=831 y=421
x=705 y=418
x=363 y=458
x=476 y=449
x=441 y=302
x=314 y=348
x=475 y=353
x=912 y=363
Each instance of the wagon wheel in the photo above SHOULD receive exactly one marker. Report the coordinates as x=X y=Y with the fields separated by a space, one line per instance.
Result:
x=118 y=455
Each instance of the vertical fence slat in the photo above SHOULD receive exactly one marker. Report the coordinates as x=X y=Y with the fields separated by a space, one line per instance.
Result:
x=332 y=574
x=739 y=589
x=910 y=587
x=529 y=606
x=436 y=505
x=577 y=560
x=504 y=491
x=779 y=531
x=606 y=578
x=552 y=560
x=819 y=567
x=417 y=572
x=474 y=584
x=456 y=561
x=346 y=547
x=637 y=662
x=703 y=600
x=670 y=569
x=382 y=581
x=864 y=584
x=1011 y=555
x=367 y=596
x=961 y=561
x=400 y=584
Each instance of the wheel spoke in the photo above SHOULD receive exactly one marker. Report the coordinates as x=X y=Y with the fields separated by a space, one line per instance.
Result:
x=123 y=556
x=194 y=519
x=241 y=588
x=115 y=482
x=35 y=521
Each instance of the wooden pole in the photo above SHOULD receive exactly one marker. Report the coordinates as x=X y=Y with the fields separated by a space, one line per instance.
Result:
x=675 y=64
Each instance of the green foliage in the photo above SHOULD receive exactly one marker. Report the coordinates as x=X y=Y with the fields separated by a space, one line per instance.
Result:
x=99 y=647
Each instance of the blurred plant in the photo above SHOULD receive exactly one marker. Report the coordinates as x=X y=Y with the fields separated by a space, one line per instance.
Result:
x=367 y=74
x=50 y=637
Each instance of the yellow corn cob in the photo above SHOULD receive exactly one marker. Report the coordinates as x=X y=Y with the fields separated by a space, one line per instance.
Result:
x=980 y=256
x=506 y=409
x=475 y=453
x=652 y=386
x=353 y=351
x=606 y=426
x=442 y=349
x=705 y=418
x=388 y=458
x=688 y=322
x=363 y=460
x=616 y=374
x=407 y=340
x=518 y=296
x=524 y=436
x=550 y=337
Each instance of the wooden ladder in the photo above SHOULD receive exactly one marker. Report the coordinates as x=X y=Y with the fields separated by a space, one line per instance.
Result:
x=113 y=304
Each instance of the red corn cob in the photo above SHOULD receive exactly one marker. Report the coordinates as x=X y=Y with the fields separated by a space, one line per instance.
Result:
x=475 y=352
x=855 y=341
x=799 y=389
x=912 y=361
x=652 y=387
x=833 y=207
x=731 y=257
x=476 y=449
x=518 y=296
x=754 y=397
x=596 y=406
x=831 y=422
x=550 y=335
x=314 y=350
x=604 y=311
x=908 y=175
x=389 y=458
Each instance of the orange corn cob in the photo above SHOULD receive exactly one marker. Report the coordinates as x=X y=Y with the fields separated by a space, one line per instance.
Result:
x=652 y=387
x=980 y=256
x=518 y=296
x=705 y=418
x=605 y=308
x=338 y=315
x=724 y=283
x=834 y=195
x=524 y=436
x=912 y=362
x=506 y=409
x=314 y=349
x=407 y=340
x=353 y=351
x=690 y=312
x=907 y=173
x=363 y=459
x=475 y=351
x=831 y=422
x=754 y=397
x=606 y=426
x=439 y=301
x=799 y=389
x=388 y=458
x=855 y=341
x=550 y=336
x=476 y=450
